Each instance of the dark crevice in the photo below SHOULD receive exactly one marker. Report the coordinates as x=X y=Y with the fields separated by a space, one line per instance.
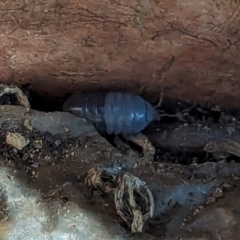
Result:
x=38 y=101
x=45 y=103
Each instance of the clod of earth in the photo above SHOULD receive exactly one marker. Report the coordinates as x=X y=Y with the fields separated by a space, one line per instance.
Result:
x=16 y=140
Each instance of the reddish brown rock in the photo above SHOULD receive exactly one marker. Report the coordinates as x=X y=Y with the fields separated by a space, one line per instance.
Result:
x=59 y=45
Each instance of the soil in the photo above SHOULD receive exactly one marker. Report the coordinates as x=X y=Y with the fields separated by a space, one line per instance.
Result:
x=196 y=195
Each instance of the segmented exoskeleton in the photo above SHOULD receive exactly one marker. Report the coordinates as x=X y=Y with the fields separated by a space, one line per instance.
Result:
x=112 y=112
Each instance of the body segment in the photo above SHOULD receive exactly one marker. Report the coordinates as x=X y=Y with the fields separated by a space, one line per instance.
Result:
x=112 y=112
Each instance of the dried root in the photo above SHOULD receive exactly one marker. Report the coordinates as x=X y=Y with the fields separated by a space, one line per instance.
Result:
x=100 y=179
x=133 y=200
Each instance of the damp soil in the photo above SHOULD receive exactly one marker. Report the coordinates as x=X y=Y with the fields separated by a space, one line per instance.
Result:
x=54 y=165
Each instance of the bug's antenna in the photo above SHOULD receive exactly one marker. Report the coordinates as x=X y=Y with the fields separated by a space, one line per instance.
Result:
x=159 y=104
x=161 y=74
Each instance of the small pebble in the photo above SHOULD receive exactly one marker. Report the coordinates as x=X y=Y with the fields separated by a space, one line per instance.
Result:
x=218 y=193
x=66 y=129
x=196 y=212
x=227 y=186
x=38 y=144
x=210 y=200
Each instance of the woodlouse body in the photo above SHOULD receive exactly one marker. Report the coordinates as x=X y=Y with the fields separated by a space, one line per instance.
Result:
x=112 y=112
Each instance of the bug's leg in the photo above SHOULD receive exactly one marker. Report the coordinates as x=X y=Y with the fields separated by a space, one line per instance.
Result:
x=142 y=141
x=159 y=104
x=121 y=145
x=114 y=140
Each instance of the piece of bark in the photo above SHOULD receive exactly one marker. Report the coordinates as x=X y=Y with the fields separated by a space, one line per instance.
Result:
x=54 y=122
x=60 y=46
x=192 y=137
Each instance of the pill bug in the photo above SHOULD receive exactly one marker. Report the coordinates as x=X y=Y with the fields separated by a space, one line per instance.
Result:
x=112 y=112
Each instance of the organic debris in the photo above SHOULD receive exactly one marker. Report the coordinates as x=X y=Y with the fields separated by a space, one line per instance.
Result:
x=133 y=200
x=16 y=140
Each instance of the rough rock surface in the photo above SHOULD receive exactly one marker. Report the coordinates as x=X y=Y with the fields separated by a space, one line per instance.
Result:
x=61 y=45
